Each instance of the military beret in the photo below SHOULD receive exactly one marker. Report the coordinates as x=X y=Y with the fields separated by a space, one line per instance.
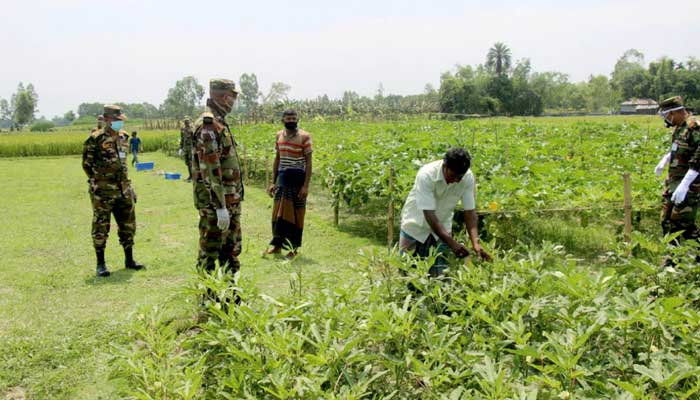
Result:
x=114 y=111
x=225 y=85
x=674 y=102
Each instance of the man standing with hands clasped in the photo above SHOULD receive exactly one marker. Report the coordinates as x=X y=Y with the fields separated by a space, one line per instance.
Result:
x=292 y=171
x=426 y=218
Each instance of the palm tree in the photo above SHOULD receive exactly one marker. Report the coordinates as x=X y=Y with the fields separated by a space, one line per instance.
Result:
x=498 y=58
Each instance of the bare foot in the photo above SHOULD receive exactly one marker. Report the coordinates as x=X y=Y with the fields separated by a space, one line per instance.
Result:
x=274 y=250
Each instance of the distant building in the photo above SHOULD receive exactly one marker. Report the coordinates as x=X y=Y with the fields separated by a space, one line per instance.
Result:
x=639 y=106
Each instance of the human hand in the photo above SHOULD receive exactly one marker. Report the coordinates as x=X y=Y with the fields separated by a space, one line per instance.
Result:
x=459 y=249
x=222 y=219
x=271 y=190
x=482 y=253
x=659 y=170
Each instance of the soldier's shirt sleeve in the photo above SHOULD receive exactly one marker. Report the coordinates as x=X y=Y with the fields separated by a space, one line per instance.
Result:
x=694 y=162
x=209 y=150
x=88 y=156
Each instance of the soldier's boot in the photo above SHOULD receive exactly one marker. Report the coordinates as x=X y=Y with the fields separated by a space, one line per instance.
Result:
x=129 y=261
x=101 y=269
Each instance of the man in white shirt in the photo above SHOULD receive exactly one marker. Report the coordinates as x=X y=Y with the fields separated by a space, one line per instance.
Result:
x=426 y=218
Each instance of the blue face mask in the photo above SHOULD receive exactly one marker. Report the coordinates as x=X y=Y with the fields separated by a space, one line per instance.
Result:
x=117 y=125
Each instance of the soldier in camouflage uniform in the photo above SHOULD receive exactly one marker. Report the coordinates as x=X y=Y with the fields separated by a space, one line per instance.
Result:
x=104 y=163
x=216 y=174
x=682 y=186
x=100 y=121
x=186 y=145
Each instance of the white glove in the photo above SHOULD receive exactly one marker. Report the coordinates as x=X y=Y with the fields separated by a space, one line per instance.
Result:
x=659 y=170
x=681 y=191
x=222 y=219
x=179 y=152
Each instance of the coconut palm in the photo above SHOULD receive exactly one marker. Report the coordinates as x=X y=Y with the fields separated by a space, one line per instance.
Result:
x=498 y=58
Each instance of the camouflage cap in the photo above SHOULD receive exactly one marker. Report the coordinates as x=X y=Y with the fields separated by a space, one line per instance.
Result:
x=100 y=118
x=225 y=85
x=114 y=111
x=672 y=103
x=187 y=119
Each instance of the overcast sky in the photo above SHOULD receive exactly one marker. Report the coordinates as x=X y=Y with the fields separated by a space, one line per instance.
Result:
x=134 y=50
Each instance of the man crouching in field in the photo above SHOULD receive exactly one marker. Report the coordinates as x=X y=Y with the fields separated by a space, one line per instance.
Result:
x=426 y=218
x=104 y=163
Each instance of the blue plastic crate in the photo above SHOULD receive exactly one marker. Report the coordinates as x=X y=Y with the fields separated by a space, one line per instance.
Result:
x=172 y=175
x=144 y=166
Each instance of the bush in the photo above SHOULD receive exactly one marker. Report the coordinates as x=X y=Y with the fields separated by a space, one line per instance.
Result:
x=42 y=126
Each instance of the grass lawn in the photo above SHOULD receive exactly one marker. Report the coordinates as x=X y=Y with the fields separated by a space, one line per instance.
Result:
x=57 y=319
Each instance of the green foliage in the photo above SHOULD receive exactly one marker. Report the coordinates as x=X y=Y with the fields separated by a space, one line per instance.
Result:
x=42 y=126
x=533 y=324
x=184 y=98
x=63 y=142
x=24 y=103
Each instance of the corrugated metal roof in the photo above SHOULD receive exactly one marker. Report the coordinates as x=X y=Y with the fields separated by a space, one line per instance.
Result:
x=640 y=102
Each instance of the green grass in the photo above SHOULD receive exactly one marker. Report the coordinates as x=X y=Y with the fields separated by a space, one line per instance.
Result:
x=58 y=322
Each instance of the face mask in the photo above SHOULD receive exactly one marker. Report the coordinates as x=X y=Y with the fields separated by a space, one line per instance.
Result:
x=117 y=125
x=292 y=126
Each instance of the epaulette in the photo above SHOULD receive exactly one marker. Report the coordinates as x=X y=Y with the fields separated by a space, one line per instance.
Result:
x=97 y=132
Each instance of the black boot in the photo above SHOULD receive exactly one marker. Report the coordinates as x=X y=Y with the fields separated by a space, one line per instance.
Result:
x=129 y=259
x=101 y=269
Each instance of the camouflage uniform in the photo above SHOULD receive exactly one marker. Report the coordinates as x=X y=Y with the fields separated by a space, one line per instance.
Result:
x=685 y=155
x=186 y=147
x=104 y=162
x=216 y=177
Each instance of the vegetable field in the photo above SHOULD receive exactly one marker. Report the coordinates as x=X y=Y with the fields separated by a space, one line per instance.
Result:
x=543 y=321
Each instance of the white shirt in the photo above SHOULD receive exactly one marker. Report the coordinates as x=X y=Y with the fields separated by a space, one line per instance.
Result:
x=431 y=192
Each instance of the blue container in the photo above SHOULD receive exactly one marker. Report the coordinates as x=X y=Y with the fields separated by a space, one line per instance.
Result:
x=144 y=166
x=172 y=175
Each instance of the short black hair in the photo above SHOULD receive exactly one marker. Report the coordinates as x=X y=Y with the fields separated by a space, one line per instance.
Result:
x=458 y=160
x=289 y=112
x=134 y=133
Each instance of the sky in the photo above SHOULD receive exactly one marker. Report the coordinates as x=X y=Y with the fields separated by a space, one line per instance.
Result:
x=76 y=51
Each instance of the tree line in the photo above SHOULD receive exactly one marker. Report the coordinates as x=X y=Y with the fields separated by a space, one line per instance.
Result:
x=499 y=86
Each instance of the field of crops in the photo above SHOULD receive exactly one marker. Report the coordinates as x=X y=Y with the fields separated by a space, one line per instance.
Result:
x=520 y=164
x=537 y=323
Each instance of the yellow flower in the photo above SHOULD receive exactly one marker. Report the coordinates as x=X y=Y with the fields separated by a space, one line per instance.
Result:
x=493 y=206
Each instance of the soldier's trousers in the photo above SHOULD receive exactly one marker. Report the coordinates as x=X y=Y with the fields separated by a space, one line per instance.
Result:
x=215 y=244
x=124 y=211
x=188 y=162
x=681 y=217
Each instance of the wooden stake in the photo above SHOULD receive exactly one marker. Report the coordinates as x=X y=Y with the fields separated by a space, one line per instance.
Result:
x=390 y=213
x=336 y=209
x=628 y=207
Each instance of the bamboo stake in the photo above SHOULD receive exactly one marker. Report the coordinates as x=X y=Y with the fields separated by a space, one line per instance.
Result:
x=390 y=213
x=628 y=207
